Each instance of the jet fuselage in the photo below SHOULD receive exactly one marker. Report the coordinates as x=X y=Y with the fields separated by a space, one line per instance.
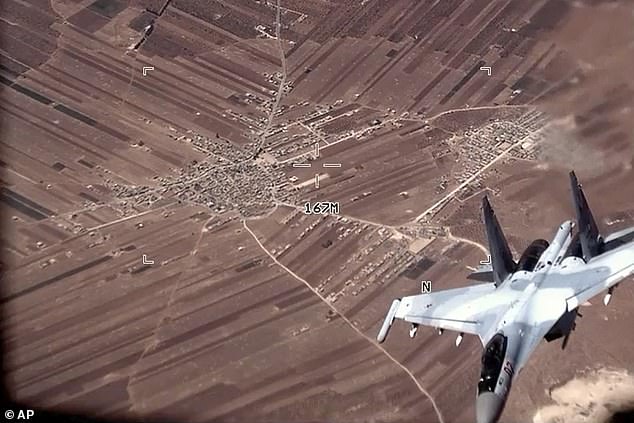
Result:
x=537 y=304
x=503 y=350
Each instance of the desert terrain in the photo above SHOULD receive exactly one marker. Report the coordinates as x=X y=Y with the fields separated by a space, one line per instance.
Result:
x=157 y=157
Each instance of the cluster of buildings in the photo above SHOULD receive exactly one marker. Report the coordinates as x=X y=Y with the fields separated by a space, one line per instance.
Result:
x=383 y=257
x=229 y=179
x=478 y=147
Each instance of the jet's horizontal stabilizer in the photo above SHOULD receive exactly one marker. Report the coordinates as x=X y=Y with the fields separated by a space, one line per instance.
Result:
x=621 y=237
x=483 y=273
x=389 y=319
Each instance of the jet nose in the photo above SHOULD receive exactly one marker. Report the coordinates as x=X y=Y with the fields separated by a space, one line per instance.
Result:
x=488 y=407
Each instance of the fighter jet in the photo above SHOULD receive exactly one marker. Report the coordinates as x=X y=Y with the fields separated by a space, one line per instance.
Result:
x=524 y=301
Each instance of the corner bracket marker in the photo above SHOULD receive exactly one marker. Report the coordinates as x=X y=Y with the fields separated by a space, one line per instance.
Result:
x=487 y=261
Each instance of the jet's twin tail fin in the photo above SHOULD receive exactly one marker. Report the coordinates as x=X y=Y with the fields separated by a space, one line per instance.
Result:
x=589 y=236
x=501 y=258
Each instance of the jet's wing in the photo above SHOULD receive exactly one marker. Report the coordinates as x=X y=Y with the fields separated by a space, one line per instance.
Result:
x=583 y=282
x=571 y=285
x=473 y=309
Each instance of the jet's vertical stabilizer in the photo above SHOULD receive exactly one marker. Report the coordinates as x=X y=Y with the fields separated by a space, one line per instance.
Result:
x=501 y=257
x=589 y=237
